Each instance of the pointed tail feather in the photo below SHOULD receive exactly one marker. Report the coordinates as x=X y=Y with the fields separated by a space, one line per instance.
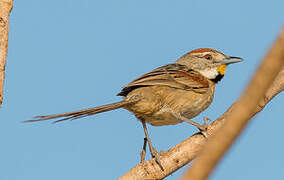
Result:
x=81 y=113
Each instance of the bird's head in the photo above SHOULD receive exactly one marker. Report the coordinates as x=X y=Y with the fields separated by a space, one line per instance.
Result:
x=209 y=62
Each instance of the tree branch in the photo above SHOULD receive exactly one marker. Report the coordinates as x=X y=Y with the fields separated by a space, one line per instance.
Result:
x=5 y=9
x=186 y=151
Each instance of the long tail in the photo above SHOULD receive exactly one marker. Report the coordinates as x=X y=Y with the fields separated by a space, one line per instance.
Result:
x=81 y=113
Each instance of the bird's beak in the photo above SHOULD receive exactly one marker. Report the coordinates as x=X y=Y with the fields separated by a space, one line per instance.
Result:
x=231 y=60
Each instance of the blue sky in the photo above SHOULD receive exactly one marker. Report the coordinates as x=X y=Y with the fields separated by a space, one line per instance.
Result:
x=66 y=55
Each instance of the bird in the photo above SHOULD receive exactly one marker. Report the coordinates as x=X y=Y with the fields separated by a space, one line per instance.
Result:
x=168 y=95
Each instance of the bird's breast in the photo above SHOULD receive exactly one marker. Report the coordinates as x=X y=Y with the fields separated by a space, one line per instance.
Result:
x=161 y=105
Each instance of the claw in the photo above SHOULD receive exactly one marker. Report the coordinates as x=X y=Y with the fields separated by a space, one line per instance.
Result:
x=156 y=155
x=204 y=134
x=204 y=127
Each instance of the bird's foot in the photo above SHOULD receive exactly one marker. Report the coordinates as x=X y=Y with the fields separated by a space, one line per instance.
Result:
x=202 y=128
x=156 y=155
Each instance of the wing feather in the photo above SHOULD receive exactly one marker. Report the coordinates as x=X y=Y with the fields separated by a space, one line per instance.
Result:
x=172 y=75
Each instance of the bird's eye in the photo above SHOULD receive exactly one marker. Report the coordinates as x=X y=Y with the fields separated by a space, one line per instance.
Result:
x=208 y=57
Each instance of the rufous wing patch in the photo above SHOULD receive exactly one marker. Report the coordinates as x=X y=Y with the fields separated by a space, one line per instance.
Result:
x=171 y=75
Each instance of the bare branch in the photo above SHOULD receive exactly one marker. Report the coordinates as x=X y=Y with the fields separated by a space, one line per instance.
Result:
x=186 y=151
x=5 y=9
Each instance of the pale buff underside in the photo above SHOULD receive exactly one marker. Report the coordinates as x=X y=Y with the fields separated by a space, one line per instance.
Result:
x=158 y=104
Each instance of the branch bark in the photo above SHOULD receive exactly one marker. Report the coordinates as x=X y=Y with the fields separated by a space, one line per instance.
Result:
x=5 y=9
x=186 y=151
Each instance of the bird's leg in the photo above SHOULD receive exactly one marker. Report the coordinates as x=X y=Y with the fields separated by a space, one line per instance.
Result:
x=143 y=152
x=202 y=127
x=205 y=122
x=153 y=151
x=205 y=126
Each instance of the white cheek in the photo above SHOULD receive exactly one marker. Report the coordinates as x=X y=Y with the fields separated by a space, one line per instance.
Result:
x=210 y=74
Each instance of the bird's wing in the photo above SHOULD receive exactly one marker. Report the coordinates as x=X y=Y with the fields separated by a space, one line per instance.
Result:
x=172 y=75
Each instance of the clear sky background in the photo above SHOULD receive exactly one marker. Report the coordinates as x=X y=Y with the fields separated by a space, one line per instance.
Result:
x=66 y=55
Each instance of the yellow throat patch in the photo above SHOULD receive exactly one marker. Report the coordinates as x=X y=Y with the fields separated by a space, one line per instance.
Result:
x=222 y=69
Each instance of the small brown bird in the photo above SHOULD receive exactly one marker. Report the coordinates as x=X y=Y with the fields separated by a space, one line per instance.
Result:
x=168 y=95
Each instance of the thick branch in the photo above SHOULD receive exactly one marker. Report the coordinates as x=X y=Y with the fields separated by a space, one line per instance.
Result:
x=5 y=9
x=187 y=150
